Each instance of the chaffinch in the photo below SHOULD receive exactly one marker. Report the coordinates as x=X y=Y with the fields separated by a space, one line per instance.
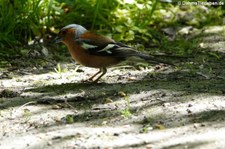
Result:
x=97 y=51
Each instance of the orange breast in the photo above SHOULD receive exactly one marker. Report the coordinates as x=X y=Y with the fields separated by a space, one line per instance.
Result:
x=83 y=57
x=88 y=60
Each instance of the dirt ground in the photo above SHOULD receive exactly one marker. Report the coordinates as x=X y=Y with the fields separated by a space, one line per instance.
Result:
x=156 y=107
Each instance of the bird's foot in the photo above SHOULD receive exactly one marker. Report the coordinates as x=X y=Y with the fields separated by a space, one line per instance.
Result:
x=89 y=81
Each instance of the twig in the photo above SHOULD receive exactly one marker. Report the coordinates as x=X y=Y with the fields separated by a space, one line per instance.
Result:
x=31 y=102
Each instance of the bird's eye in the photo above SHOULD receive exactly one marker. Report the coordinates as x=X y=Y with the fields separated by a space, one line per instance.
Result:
x=63 y=32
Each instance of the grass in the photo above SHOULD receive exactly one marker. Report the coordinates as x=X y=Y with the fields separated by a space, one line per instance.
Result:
x=58 y=70
x=126 y=112
x=22 y=21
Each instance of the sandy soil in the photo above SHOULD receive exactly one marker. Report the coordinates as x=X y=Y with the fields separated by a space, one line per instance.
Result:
x=166 y=107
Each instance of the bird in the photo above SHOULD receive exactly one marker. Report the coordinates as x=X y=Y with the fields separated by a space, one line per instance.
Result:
x=97 y=51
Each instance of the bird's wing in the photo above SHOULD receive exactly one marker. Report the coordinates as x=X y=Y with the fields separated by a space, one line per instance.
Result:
x=104 y=46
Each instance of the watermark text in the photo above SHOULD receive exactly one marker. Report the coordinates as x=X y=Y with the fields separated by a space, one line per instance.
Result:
x=195 y=3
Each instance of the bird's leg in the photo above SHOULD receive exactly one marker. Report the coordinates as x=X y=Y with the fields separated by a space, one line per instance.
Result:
x=92 y=77
x=103 y=70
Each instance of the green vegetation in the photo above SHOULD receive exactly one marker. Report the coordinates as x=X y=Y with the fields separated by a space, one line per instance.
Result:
x=59 y=70
x=69 y=119
x=26 y=114
x=136 y=22
x=22 y=21
x=126 y=112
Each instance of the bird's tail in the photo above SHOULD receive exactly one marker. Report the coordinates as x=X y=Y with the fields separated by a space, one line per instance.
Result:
x=152 y=59
x=126 y=52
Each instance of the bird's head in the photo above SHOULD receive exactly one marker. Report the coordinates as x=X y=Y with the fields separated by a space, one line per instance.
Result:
x=70 y=31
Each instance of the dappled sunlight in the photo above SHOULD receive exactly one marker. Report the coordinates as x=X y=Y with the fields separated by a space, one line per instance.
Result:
x=68 y=74
x=186 y=135
x=41 y=79
x=44 y=126
x=128 y=107
x=215 y=29
x=159 y=118
x=47 y=101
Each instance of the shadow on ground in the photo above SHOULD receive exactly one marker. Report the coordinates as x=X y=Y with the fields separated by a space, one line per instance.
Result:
x=170 y=108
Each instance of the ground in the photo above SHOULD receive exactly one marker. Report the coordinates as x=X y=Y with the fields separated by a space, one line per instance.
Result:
x=155 y=107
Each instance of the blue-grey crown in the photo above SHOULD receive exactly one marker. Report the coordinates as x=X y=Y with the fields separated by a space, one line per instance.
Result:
x=79 y=29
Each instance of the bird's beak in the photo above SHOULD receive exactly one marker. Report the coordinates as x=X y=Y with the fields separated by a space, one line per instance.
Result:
x=58 y=39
